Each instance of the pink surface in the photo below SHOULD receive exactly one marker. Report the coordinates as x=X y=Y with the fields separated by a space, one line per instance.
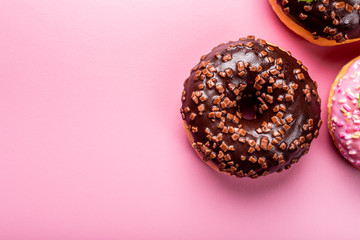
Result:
x=92 y=145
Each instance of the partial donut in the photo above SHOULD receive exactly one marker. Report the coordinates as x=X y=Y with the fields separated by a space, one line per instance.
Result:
x=250 y=108
x=323 y=22
x=344 y=112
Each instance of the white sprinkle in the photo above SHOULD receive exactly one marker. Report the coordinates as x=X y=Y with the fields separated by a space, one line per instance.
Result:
x=343 y=100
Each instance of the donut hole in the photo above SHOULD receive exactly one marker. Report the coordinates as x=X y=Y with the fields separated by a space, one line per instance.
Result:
x=247 y=107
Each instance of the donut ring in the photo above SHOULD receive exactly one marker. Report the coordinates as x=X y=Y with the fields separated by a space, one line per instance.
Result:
x=235 y=79
x=344 y=112
x=323 y=22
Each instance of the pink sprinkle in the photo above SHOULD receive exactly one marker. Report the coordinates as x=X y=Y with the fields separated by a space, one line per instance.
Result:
x=350 y=96
x=340 y=124
x=342 y=135
x=346 y=107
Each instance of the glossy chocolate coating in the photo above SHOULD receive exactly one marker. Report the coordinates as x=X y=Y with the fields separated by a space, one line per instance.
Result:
x=330 y=19
x=251 y=73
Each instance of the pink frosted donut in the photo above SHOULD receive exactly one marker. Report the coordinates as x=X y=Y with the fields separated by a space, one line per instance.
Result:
x=344 y=112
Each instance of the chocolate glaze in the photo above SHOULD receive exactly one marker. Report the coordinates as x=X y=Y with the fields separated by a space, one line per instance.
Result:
x=251 y=73
x=330 y=19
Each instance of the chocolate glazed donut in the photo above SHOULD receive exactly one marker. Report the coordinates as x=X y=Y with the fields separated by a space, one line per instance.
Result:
x=323 y=22
x=250 y=108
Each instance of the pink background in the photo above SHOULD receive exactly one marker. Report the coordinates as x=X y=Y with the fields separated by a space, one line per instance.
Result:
x=92 y=145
